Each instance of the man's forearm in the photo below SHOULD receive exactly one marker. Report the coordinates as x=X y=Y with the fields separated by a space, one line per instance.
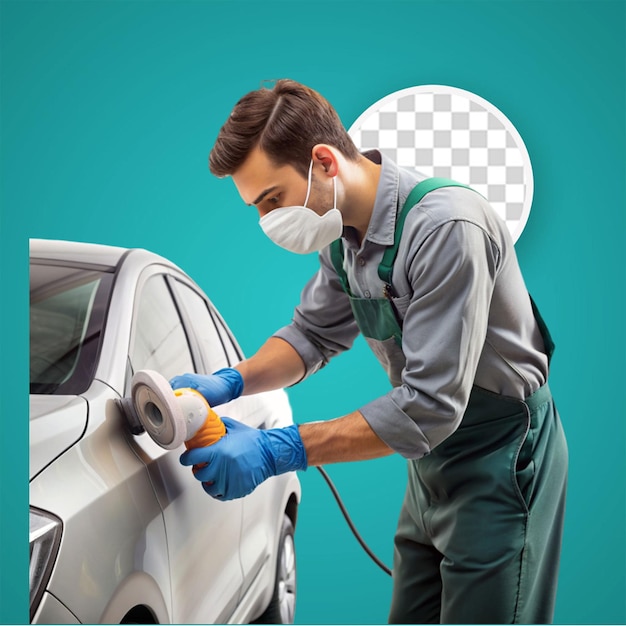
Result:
x=348 y=438
x=275 y=365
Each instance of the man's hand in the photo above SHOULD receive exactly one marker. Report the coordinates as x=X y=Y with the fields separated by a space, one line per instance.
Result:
x=235 y=465
x=218 y=388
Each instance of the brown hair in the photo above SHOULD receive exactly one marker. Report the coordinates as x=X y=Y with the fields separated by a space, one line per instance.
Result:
x=285 y=121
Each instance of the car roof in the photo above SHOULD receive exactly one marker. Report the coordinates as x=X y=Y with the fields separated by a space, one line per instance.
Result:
x=76 y=252
x=90 y=254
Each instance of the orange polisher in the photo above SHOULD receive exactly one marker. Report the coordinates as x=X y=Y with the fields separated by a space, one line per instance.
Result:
x=173 y=417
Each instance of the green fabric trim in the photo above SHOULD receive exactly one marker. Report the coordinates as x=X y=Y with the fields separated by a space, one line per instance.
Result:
x=385 y=268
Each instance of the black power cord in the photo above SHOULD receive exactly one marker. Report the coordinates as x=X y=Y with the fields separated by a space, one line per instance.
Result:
x=355 y=532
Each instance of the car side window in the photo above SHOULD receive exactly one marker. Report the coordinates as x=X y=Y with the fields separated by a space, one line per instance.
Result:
x=159 y=342
x=233 y=351
x=211 y=344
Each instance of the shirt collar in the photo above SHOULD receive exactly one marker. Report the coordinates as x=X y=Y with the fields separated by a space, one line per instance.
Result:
x=382 y=223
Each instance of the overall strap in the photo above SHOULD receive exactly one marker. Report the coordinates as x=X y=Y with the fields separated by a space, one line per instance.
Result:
x=385 y=268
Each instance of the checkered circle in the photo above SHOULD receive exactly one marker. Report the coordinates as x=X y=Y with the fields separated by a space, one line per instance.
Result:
x=448 y=132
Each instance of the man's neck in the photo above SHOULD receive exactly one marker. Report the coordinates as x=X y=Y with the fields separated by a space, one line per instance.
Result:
x=361 y=187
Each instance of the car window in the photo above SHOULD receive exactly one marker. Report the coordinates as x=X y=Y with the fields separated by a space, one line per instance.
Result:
x=232 y=350
x=159 y=342
x=210 y=341
x=67 y=311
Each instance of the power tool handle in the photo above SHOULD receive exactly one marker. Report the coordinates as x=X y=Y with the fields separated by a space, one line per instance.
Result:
x=211 y=431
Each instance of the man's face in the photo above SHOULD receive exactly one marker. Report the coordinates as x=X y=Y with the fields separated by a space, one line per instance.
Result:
x=267 y=186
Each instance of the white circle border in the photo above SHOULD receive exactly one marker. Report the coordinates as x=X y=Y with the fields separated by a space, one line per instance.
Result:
x=488 y=106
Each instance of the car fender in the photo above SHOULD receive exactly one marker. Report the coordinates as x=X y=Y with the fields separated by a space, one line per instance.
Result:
x=105 y=488
x=137 y=590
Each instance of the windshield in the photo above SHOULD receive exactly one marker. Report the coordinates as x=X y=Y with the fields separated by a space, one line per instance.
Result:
x=67 y=312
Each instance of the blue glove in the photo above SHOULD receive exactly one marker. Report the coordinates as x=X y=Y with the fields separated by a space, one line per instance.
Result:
x=244 y=458
x=218 y=388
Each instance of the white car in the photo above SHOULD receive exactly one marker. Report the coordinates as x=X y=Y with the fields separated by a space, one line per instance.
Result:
x=120 y=531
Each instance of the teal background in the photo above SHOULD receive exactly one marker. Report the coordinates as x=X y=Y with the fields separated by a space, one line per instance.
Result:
x=108 y=112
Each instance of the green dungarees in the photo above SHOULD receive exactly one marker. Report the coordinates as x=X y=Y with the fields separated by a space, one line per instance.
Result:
x=479 y=534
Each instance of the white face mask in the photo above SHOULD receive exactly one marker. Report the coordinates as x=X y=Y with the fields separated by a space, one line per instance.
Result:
x=300 y=229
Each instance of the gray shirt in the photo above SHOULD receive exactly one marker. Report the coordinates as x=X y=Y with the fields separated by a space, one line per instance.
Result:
x=467 y=316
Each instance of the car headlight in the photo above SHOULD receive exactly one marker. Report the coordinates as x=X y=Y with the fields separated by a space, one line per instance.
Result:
x=44 y=536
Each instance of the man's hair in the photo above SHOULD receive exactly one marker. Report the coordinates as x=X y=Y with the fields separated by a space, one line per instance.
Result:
x=285 y=121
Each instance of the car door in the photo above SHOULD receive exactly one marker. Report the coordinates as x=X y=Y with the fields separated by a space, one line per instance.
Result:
x=218 y=349
x=202 y=534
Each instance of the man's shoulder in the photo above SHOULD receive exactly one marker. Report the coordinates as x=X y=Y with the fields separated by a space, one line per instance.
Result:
x=447 y=204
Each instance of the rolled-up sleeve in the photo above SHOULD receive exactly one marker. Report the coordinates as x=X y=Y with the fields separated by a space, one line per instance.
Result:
x=452 y=274
x=323 y=324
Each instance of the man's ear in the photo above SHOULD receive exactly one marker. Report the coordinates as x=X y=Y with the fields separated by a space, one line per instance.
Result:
x=326 y=156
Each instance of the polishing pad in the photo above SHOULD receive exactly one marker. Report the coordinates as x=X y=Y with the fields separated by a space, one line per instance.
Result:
x=158 y=410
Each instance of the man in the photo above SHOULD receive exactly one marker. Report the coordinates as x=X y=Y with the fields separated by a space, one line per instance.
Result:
x=428 y=273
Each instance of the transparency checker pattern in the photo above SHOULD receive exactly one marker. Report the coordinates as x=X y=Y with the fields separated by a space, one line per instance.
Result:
x=446 y=132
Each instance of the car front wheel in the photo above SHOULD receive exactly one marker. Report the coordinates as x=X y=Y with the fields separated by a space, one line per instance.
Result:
x=282 y=606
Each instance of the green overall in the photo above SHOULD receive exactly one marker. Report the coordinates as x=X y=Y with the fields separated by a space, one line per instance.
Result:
x=479 y=533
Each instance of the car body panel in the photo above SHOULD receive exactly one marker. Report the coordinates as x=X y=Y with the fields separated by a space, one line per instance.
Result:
x=51 y=611
x=56 y=423
x=97 y=483
x=200 y=529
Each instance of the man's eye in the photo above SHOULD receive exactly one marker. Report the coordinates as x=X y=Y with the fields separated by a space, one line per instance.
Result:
x=273 y=200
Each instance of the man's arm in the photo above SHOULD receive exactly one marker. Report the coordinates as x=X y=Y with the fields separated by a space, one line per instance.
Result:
x=275 y=365
x=347 y=438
